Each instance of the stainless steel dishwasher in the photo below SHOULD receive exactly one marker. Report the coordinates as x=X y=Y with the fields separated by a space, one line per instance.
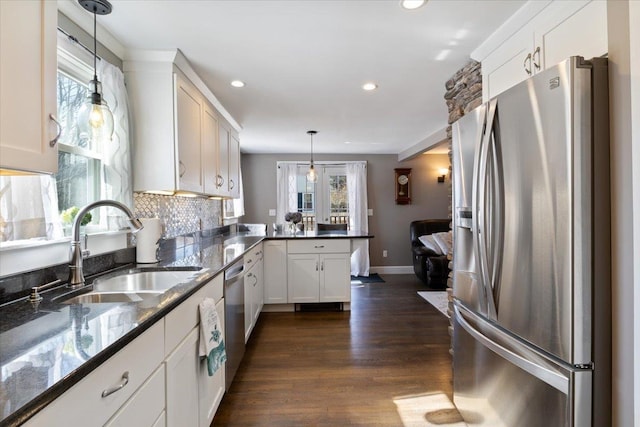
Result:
x=234 y=318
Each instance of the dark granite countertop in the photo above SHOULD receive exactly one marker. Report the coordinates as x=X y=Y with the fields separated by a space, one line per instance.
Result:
x=351 y=234
x=46 y=349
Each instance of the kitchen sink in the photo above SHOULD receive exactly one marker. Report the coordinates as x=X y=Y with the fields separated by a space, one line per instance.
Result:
x=143 y=281
x=111 y=297
x=136 y=286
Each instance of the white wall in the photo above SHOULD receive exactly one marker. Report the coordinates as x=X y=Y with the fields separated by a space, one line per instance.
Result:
x=624 y=96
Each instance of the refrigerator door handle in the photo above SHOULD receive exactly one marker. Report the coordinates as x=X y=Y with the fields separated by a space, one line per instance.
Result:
x=475 y=220
x=483 y=214
x=517 y=354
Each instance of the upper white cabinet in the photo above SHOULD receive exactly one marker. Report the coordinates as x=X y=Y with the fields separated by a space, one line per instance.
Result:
x=189 y=119
x=28 y=67
x=228 y=177
x=181 y=139
x=559 y=30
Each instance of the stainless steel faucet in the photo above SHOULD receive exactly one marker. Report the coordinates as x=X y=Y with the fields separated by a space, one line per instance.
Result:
x=76 y=277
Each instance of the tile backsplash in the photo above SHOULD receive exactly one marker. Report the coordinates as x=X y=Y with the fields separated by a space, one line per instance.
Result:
x=179 y=215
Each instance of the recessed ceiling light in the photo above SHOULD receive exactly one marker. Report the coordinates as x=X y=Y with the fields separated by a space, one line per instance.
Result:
x=347 y=142
x=237 y=83
x=369 y=86
x=412 y=4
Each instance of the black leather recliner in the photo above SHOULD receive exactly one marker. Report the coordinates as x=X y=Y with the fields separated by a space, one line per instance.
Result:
x=431 y=268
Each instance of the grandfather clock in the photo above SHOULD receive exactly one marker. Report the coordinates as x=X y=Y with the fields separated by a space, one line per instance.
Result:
x=403 y=186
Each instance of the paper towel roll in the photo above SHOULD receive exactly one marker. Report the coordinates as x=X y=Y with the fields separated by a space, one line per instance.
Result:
x=147 y=240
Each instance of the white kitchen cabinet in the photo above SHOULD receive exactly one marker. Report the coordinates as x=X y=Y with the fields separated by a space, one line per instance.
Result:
x=318 y=270
x=122 y=374
x=28 y=67
x=275 y=271
x=189 y=111
x=560 y=30
x=210 y=150
x=253 y=288
x=211 y=388
x=181 y=142
x=145 y=406
x=234 y=166
x=182 y=371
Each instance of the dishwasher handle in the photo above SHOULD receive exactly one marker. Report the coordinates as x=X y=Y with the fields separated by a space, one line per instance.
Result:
x=235 y=271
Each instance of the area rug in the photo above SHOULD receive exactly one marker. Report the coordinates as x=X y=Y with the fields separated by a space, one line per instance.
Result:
x=428 y=410
x=437 y=299
x=373 y=278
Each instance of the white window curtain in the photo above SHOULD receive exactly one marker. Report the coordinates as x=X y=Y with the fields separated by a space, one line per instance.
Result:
x=117 y=152
x=286 y=190
x=29 y=208
x=357 y=186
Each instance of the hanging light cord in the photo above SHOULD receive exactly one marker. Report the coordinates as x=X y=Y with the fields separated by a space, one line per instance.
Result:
x=95 y=45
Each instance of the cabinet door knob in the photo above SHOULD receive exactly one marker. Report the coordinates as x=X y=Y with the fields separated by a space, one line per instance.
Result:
x=536 y=62
x=527 y=64
x=120 y=386
x=54 y=141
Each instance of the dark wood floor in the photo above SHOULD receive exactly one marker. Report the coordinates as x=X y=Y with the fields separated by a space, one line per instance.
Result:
x=342 y=368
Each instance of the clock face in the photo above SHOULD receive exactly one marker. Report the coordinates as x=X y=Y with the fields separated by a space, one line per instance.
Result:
x=402 y=179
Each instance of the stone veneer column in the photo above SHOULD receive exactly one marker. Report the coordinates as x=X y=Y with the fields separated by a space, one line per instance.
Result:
x=464 y=93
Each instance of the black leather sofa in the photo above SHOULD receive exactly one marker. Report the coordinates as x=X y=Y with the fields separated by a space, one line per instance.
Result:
x=431 y=268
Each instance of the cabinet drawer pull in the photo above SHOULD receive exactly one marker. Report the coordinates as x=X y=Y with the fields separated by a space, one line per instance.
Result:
x=322 y=266
x=536 y=63
x=54 y=141
x=182 y=169
x=316 y=265
x=123 y=382
x=231 y=184
x=527 y=68
x=319 y=246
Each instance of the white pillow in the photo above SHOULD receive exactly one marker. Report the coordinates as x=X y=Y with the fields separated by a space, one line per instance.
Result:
x=430 y=243
x=444 y=240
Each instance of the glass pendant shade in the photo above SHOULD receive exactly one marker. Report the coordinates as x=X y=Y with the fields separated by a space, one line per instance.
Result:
x=312 y=176
x=94 y=118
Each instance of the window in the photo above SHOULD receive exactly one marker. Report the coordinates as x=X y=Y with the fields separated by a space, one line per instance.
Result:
x=79 y=161
x=327 y=200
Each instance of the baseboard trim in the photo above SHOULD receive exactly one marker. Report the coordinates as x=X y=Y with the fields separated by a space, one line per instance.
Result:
x=392 y=269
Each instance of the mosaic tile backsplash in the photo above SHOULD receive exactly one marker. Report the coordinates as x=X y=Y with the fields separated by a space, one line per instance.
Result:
x=180 y=215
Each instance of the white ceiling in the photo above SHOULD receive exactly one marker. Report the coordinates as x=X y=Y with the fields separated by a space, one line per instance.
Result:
x=304 y=63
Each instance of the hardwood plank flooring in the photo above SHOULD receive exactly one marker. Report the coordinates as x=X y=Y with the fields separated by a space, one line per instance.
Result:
x=343 y=368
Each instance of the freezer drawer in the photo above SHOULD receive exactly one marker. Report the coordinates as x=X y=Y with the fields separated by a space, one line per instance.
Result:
x=501 y=381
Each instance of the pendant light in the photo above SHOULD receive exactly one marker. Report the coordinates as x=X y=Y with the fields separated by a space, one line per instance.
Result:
x=94 y=117
x=312 y=176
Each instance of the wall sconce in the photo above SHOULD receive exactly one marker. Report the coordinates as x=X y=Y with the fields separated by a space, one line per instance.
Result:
x=443 y=174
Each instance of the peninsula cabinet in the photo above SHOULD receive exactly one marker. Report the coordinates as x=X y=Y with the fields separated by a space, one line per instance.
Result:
x=275 y=271
x=318 y=270
x=28 y=67
x=560 y=30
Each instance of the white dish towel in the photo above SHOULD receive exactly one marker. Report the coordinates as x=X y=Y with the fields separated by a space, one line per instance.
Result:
x=211 y=336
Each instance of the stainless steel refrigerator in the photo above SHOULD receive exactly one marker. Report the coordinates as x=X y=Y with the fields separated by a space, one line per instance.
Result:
x=531 y=262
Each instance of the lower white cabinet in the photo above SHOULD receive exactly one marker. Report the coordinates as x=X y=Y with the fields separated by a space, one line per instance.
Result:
x=182 y=369
x=253 y=288
x=145 y=407
x=211 y=388
x=120 y=376
x=318 y=271
x=275 y=271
